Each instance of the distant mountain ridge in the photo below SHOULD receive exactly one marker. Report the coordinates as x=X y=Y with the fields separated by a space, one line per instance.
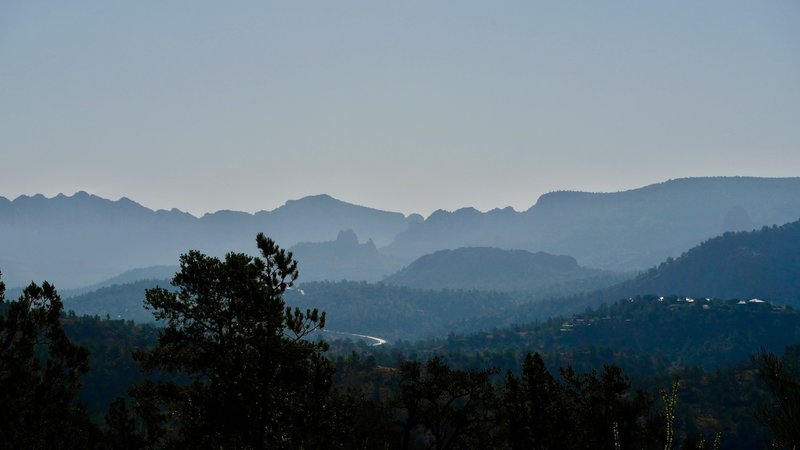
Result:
x=628 y=230
x=343 y=259
x=489 y=268
x=81 y=239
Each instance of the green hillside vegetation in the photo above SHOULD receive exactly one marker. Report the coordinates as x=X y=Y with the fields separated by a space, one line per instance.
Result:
x=715 y=399
x=112 y=369
x=395 y=312
x=119 y=302
x=392 y=312
x=719 y=398
x=763 y=264
x=708 y=333
x=393 y=394
x=586 y=355
x=703 y=333
x=770 y=259
x=488 y=268
x=127 y=277
x=383 y=310
x=707 y=343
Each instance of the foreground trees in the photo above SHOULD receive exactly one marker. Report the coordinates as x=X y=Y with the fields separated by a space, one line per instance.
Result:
x=782 y=377
x=442 y=408
x=40 y=371
x=252 y=379
x=583 y=412
x=536 y=418
x=235 y=368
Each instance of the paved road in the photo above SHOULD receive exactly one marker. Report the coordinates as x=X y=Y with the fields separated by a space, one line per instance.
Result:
x=376 y=340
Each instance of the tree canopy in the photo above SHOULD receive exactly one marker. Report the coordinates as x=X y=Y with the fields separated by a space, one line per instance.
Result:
x=40 y=374
x=254 y=379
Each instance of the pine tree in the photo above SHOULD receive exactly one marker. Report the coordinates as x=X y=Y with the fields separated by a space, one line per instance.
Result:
x=40 y=375
x=442 y=408
x=782 y=377
x=534 y=407
x=253 y=378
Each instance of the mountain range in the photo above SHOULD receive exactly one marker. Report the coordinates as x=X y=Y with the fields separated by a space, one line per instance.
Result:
x=79 y=240
x=82 y=239
x=623 y=231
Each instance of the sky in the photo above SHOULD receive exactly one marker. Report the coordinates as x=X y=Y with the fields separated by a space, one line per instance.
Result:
x=408 y=106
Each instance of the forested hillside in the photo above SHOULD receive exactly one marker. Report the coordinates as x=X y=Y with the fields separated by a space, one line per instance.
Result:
x=395 y=312
x=717 y=268
x=760 y=264
x=486 y=268
x=653 y=340
x=763 y=264
x=702 y=331
x=118 y=302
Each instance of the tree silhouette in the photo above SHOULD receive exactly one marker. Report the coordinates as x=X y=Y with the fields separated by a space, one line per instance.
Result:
x=252 y=378
x=442 y=408
x=602 y=406
x=40 y=375
x=535 y=412
x=782 y=377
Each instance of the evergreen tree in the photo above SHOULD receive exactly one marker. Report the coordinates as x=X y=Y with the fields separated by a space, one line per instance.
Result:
x=254 y=379
x=603 y=405
x=120 y=431
x=442 y=408
x=535 y=413
x=782 y=377
x=40 y=375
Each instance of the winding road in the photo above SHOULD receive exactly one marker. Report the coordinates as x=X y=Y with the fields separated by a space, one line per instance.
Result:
x=376 y=340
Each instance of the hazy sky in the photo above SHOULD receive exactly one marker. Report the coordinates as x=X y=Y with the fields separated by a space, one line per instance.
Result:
x=402 y=105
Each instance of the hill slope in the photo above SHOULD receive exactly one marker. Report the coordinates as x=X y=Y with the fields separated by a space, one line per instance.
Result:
x=709 y=333
x=119 y=301
x=763 y=263
x=487 y=268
